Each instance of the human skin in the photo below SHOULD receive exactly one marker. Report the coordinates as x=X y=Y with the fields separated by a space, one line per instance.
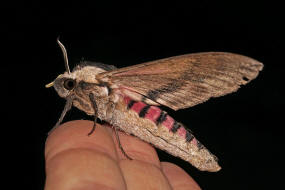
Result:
x=75 y=160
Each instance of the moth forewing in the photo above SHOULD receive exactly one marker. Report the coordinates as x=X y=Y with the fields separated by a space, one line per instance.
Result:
x=128 y=97
x=184 y=81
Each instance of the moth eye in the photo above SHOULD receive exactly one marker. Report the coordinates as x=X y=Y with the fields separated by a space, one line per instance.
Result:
x=69 y=84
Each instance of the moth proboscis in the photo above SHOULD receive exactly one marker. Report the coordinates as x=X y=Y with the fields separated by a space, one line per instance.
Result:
x=128 y=98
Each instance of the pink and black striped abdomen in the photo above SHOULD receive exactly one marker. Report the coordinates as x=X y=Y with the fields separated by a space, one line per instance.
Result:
x=161 y=118
x=155 y=126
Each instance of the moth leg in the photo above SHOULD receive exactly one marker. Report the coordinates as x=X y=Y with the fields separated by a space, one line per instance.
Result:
x=67 y=107
x=94 y=105
x=120 y=145
x=110 y=109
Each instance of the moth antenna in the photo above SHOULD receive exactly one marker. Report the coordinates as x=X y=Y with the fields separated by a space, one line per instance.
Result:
x=64 y=55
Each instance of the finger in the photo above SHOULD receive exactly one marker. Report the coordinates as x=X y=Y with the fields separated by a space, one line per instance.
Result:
x=74 y=135
x=140 y=175
x=77 y=161
x=178 y=178
x=143 y=172
x=136 y=149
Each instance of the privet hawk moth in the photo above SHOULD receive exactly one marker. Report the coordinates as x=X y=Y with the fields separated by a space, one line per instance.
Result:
x=129 y=98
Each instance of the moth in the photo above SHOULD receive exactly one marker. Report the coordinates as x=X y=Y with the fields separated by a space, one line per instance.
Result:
x=129 y=98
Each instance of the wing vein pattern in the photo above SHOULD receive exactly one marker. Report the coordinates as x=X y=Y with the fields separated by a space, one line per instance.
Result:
x=184 y=81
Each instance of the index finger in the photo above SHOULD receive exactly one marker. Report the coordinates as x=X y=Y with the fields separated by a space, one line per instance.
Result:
x=76 y=161
x=72 y=135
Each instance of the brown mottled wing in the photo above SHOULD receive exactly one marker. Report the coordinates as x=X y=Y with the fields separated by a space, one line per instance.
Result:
x=184 y=81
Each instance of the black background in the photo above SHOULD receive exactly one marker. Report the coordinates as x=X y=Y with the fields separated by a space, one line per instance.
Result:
x=244 y=129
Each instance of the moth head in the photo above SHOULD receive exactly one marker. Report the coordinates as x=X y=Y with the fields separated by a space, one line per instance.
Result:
x=65 y=83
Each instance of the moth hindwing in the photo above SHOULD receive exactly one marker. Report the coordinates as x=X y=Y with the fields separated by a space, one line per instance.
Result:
x=128 y=98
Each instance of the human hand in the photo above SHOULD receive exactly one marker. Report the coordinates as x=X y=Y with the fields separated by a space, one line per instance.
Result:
x=77 y=161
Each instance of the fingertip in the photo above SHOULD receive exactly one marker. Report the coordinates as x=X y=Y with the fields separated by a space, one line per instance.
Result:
x=74 y=134
x=83 y=169
x=75 y=160
x=178 y=178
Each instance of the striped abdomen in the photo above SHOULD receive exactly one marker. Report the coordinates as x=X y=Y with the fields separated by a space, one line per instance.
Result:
x=155 y=126
x=161 y=118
